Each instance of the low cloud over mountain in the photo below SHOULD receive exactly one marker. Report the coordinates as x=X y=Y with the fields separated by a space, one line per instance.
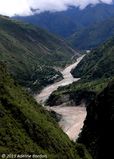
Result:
x=29 y=7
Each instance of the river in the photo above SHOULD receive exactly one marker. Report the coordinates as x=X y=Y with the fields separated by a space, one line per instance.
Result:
x=68 y=79
x=72 y=117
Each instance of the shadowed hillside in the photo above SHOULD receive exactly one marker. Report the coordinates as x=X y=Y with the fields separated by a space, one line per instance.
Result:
x=98 y=132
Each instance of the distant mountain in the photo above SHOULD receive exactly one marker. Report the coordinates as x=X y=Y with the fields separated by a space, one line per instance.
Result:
x=67 y=22
x=30 y=53
x=94 y=35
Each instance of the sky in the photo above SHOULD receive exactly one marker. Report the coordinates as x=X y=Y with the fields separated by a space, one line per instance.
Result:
x=23 y=7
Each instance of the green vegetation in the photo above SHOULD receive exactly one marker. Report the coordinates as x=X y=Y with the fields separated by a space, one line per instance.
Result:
x=31 y=53
x=95 y=70
x=75 y=93
x=98 y=64
x=26 y=128
x=93 y=36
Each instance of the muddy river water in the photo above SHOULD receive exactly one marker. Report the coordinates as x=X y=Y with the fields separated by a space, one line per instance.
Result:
x=72 y=117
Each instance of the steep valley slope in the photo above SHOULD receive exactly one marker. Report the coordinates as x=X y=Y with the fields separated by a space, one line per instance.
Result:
x=92 y=36
x=26 y=128
x=95 y=70
x=31 y=53
x=98 y=132
x=94 y=88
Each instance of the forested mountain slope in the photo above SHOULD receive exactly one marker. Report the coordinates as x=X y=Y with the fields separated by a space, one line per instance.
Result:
x=26 y=128
x=30 y=53
x=95 y=71
x=92 y=36
x=97 y=64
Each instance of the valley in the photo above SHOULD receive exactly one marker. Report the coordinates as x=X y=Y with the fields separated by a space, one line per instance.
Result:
x=72 y=118
x=67 y=79
x=57 y=79
x=31 y=53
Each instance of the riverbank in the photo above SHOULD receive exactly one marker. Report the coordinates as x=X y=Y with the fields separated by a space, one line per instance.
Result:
x=72 y=118
x=68 y=79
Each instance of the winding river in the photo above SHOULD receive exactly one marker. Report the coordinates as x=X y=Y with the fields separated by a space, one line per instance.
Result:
x=72 y=117
x=67 y=79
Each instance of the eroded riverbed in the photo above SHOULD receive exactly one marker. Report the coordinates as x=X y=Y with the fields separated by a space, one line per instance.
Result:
x=68 y=79
x=72 y=117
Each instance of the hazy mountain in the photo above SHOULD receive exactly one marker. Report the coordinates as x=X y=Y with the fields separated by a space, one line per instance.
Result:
x=30 y=53
x=67 y=22
x=94 y=35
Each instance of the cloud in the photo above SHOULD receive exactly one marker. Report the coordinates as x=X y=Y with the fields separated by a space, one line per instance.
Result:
x=26 y=7
x=12 y=7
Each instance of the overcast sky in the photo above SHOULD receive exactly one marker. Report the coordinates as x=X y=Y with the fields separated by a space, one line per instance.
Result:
x=23 y=7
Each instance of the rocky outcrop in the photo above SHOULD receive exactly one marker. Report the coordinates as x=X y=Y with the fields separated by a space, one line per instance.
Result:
x=72 y=98
x=97 y=132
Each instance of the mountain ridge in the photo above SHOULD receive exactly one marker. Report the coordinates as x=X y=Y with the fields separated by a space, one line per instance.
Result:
x=31 y=53
x=82 y=29
x=93 y=36
x=87 y=16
